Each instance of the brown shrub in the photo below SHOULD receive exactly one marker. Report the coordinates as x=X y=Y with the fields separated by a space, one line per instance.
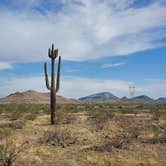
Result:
x=9 y=152
x=58 y=137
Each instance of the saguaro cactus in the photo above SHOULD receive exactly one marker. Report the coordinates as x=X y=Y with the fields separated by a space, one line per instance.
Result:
x=53 y=53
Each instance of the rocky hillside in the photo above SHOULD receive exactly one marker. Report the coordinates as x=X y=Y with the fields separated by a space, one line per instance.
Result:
x=34 y=97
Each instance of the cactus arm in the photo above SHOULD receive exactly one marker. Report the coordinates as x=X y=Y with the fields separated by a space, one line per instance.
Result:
x=52 y=50
x=49 y=52
x=46 y=76
x=58 y=74
x=55 y=53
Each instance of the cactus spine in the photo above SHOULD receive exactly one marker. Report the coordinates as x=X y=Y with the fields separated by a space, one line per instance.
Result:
x=53 y=54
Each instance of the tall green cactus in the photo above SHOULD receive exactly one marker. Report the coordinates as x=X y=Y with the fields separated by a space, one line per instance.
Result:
x=53 y=53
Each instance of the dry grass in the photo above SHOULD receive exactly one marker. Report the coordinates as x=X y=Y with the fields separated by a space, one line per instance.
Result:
x=93 y=135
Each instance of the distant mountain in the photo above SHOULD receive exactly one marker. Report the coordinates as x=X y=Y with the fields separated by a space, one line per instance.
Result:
x=124 y=99
x=99 y=97
x=142 y=98
x=161 y=100
x=35 y=97
x=31 y=96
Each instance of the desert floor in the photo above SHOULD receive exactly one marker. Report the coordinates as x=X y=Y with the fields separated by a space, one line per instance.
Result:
x=84 y=135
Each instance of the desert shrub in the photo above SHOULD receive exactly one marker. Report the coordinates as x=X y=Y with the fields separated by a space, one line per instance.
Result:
x=4 y=132
x=156 y=113
x=158 y=135
x=31 y=117
x=58 y=137
x=155 y=130
x=98 y=119
x=66 y=119
x=118 y=142
x=9 y=152
x=15 y=115
x=15 y=111
x=139 y=106
x=135 y=131
x=30 y=161
x=72 y=108
x=18 y=124
x=156 y=140
x=4 y=125
x=1 y=111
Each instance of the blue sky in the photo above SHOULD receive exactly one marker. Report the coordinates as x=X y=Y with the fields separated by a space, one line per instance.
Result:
x=105 y=46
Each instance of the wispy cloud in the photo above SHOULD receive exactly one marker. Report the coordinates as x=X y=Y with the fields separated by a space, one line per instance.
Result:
x=109 y=65
x=5 y=66
x=108 y=28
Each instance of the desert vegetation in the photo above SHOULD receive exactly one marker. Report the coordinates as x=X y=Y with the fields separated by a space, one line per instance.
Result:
x=84 y=134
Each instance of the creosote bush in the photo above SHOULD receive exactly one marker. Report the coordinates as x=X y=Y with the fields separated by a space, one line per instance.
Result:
x=108 y=144
x=18 y=124
x=58 y=137
x=4 y=132
x=10 y=152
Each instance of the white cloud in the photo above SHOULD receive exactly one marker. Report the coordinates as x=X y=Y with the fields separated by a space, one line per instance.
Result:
x=5 y=65
x=70 y=86
x=11 y=85
x=77 y=87
x=85 y=29
x=153 y=87
x=108 y=65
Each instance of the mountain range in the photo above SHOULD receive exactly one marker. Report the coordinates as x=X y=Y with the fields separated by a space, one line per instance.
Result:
x=31 y=96
x=109 y=97
x=99 y=97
